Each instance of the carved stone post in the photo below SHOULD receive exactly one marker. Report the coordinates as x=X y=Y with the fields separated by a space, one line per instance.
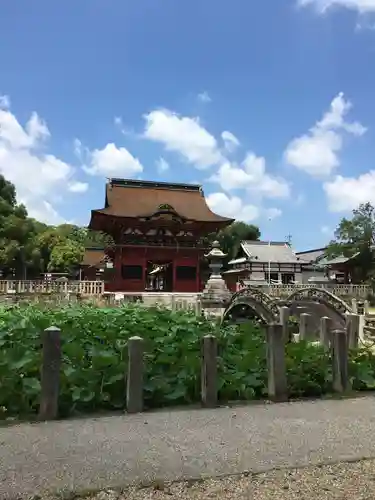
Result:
x=352 y=330
x=304 y=325
x=355 y=306
x=134 y=383
x=340 y=374
x=325 y=331
x=50 y=382
x=209 y=371
x=284 y=321
x=215 y=296
x=277 y=381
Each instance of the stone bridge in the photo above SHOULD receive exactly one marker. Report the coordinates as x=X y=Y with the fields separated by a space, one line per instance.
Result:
x=318 y=302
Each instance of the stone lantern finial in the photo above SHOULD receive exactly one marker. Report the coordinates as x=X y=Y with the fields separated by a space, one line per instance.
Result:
x=215 y=294
x=215 y=257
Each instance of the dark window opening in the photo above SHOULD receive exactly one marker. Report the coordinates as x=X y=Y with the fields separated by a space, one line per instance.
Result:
x=287 y=278
x=186 y=273
x=274 y=277
x=132 y=272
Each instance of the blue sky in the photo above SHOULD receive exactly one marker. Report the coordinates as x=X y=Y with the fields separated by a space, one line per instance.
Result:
x=269 y=104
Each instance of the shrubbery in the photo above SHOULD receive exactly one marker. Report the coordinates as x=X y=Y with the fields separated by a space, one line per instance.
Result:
x=94 y=343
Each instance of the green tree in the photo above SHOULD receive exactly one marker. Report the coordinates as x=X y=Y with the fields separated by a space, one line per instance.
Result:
x=17 y=233
x=356 y=237
x=230 y=237
x=66 y=256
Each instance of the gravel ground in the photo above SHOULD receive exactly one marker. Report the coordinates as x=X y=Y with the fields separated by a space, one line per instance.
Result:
x=119 y=451
x=342 y=481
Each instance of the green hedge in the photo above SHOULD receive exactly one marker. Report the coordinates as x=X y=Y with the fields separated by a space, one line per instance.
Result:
x=94 y=343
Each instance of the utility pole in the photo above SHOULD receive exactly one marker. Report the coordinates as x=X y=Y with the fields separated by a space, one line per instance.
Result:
x=289 y=239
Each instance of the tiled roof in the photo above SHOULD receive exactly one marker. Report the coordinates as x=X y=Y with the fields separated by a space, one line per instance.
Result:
x=311 y=255
x=264 y=251
x=336 y=260
x=134 y=199
x=93 y=257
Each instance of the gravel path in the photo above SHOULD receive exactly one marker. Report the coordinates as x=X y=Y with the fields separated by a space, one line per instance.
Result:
x=113 y=452
x=345 y=481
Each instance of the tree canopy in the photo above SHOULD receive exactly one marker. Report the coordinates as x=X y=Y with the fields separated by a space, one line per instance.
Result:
x=355 y=237
x=230 y=237
x=29 y=247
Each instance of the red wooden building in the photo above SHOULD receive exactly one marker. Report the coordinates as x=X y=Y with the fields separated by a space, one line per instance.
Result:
x=159 y=232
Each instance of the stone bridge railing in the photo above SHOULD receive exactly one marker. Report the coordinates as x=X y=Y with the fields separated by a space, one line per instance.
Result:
x=283 y=291
x=97 y=288
x=43 y=286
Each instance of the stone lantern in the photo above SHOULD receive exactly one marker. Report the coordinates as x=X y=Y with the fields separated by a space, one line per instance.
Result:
x=215 y=296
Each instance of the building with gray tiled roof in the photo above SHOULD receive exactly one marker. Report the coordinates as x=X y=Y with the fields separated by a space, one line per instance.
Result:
x=263 y=262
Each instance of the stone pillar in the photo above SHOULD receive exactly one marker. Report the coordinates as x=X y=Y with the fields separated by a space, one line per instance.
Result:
x=325 y=331
x=215 y=296
x=355 y=305
x=304 y=325
x=277 y=381
x=366 y=307
x=352 y=330
x=340 y=373
x=50 y=373
x=209 y=371
x=134 y=385
x=284 y=321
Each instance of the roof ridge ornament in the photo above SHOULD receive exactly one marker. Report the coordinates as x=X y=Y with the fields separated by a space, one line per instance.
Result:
x=165 y=206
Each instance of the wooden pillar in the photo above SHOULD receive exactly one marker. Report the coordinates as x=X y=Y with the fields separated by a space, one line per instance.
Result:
x=197 y=278
x=144 y=275
x=117 y=278
x=174 y=264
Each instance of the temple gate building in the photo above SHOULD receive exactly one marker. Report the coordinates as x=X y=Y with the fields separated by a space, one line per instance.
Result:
x=160 y=232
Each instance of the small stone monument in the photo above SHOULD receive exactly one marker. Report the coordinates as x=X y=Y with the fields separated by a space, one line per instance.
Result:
x=215 y=296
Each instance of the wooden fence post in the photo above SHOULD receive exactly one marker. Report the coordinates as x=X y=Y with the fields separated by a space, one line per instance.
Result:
x=340 y=361
x=209 y=371
x=325 y=331
x=284 y=320
x=50 y=373
x=134 y=384
x=277 y=382
x=304 y=325
x=352 y=330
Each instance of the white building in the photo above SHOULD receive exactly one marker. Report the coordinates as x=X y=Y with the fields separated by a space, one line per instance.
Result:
x=263 y=262
x=312 y=271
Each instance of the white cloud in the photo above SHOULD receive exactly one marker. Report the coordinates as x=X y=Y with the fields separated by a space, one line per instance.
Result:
x=204 y=97
x=78 y=187
x=45 y=212
x=112 y=161
x=362 y=6
x=232 y=206
x=40 y=179
x=162 y=165
x=273 y=213
x=183 y=135
x=251 y=175
x=346 y=193
x=316 y=153
x=231 y=142
x=17 y=137
x=326 y=230
x=4 y=102
x=78 y=148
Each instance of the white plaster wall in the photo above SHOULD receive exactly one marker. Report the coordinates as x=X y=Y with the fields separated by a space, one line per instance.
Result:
x=260 y=275
x=309 y=274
